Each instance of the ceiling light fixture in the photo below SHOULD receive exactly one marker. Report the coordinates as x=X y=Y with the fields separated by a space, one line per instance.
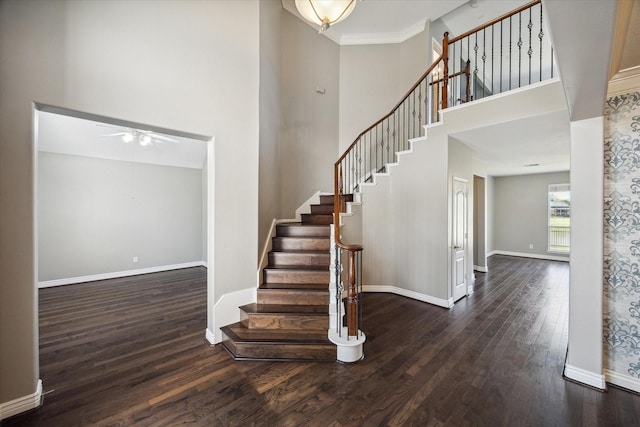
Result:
x=325 y=13
x=141 y=137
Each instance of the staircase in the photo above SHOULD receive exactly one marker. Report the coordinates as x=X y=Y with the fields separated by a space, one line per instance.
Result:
x=291 y=317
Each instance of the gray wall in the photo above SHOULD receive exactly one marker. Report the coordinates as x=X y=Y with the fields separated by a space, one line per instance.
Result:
x=95 y=215
x=479 y=222
x=520 y=212
x=270 y=196
x=490 y=201
x=191 y=66
x=309 y=143
x=373 y=79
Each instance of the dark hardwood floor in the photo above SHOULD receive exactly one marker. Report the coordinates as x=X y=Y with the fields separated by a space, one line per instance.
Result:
x=132 y=352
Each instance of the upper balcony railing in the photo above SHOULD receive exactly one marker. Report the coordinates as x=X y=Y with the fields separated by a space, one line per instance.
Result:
x=506 y=53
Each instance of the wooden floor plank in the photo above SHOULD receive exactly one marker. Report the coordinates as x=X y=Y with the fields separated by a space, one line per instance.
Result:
x=131 y=351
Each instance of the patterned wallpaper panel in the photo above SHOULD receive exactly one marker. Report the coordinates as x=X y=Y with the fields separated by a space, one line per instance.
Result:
x=622 y=234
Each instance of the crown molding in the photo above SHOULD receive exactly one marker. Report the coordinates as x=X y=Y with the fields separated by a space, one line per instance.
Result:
x=625 y=81
x=383 y=38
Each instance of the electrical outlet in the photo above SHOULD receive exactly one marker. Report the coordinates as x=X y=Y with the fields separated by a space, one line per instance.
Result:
x=530 y=246
x=135 y=259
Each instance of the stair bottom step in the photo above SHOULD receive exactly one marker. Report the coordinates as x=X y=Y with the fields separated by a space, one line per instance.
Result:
x=243 y=343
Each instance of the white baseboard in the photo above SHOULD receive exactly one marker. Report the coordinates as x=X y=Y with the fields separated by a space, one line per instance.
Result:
x=527 y=255
x=481 y=269
x=625 y=381
x=117 y=274
x=410 y=294
x=585 y=377
x=226 y=310
x=22 y=404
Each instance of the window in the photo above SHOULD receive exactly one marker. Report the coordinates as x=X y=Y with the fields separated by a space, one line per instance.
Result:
x=559 y=218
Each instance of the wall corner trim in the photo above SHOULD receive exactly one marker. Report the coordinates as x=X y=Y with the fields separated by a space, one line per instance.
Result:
x=22 y=404
x=440 y=302
x=585 y=377
x=226 y=310
x=210 y=336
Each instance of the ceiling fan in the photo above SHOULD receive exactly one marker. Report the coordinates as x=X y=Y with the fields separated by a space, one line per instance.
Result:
x=142 y=137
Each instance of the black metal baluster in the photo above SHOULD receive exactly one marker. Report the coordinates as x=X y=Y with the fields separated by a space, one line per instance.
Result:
x=375 y=166
x=501 y=44
x=413 y=116
x=541 y=36
x=520 y=50
x=492 y=59
x=348 y=172
x=426 y=100
x=419 y=105
x=361 y=164
x=470 y=80
x=387 y=147
x=475 y=71
x=484 y=63
x=510 y=45
x=530 y=51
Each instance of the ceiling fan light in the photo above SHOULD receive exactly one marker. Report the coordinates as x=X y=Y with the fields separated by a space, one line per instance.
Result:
x=127 y=137
x=325 y=12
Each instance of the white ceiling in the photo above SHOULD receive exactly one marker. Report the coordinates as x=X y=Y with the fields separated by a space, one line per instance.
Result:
x=74 y=136
x=543 y=141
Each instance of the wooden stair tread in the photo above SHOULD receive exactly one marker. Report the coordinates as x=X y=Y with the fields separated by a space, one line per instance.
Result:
x=255 y=308
x=300 y=268
x=307 y=287
x=300 y=252
x=298 y=229
x=239 y=333
x=301 y=224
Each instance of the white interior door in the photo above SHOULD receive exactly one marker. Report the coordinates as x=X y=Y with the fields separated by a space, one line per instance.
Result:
x=459 y=237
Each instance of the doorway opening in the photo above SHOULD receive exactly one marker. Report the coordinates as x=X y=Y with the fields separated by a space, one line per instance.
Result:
x=115 y=198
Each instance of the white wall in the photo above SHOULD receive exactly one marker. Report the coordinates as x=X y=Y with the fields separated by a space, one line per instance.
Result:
x=192 y=66
x=309 y=143
x=521 y=213
x=95 y=215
